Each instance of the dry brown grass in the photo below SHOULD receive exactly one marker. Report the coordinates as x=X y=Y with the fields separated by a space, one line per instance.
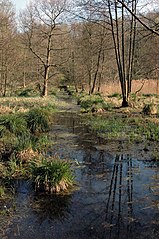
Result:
x=136 y=103
x=22 y=104
x=150 y=86
x=27 y=155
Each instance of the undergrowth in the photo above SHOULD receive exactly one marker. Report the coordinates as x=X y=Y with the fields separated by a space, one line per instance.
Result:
x=132 y=129
x=92 y=103
x=24 y=148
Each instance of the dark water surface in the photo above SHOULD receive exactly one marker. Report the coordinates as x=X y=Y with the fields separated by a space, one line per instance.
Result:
x=118 y=196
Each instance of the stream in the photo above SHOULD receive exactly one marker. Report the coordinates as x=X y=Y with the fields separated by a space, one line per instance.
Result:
x=117 y=196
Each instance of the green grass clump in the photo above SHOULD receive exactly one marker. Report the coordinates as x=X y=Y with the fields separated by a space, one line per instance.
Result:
x=38 y=120
x=150 y=95
x=23 y=142
x=91 y=103
x=111 y=128
x=41 y=143
x=14 y=132
x=51 y=175
x=18 y=132
x=150 y=131
x=14 y=123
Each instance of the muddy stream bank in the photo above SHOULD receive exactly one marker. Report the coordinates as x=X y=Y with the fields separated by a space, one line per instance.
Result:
x=116 y=197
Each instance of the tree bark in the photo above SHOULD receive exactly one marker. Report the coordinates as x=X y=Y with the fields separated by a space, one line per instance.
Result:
x=45 y=84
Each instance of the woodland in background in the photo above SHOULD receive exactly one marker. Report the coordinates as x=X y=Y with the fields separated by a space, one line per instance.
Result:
x=85 y=45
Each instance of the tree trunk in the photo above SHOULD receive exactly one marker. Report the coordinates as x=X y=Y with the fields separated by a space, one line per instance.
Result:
x=125 y=102
x=45 y=84
x=5 y=85
x=45 y=89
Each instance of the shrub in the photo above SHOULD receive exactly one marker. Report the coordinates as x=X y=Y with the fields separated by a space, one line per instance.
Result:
x=38 y=120
x=51 y=175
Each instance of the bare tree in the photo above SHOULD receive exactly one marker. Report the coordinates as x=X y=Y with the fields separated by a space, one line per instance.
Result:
x=124 y=20
x=41 y=25
x=7 y=38
x=124 y=34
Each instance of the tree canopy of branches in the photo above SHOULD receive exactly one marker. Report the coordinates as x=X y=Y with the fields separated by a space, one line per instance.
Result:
x=124 y=36
x=85 y=44
x=7 y=48
x=40 y=24
x=124 y=22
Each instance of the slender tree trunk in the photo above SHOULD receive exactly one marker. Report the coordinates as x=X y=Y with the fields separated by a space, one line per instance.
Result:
x=96 y=72
x=47 y=66
x=125 y=102
x=45 y=84
x=116 y=41
x=124 y=58
x=5 y=82
x=101 y=71
x=132 y=39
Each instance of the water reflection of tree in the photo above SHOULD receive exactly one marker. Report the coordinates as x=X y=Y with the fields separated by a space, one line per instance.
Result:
x=114 y=217
x=119 y=206
x=52 y=207
x=97 y=161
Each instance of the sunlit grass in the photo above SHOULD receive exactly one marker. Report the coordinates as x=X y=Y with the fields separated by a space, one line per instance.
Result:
x=93 y=103
x=22 y=104
x=14 y=123
x=134 y=129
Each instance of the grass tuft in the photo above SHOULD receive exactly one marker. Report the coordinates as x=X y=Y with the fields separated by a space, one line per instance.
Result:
x=38 y=120
x=92 y=103
x=14 y=123
x=51 y=175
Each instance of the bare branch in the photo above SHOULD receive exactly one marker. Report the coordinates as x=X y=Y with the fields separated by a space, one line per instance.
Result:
x=138 y=19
